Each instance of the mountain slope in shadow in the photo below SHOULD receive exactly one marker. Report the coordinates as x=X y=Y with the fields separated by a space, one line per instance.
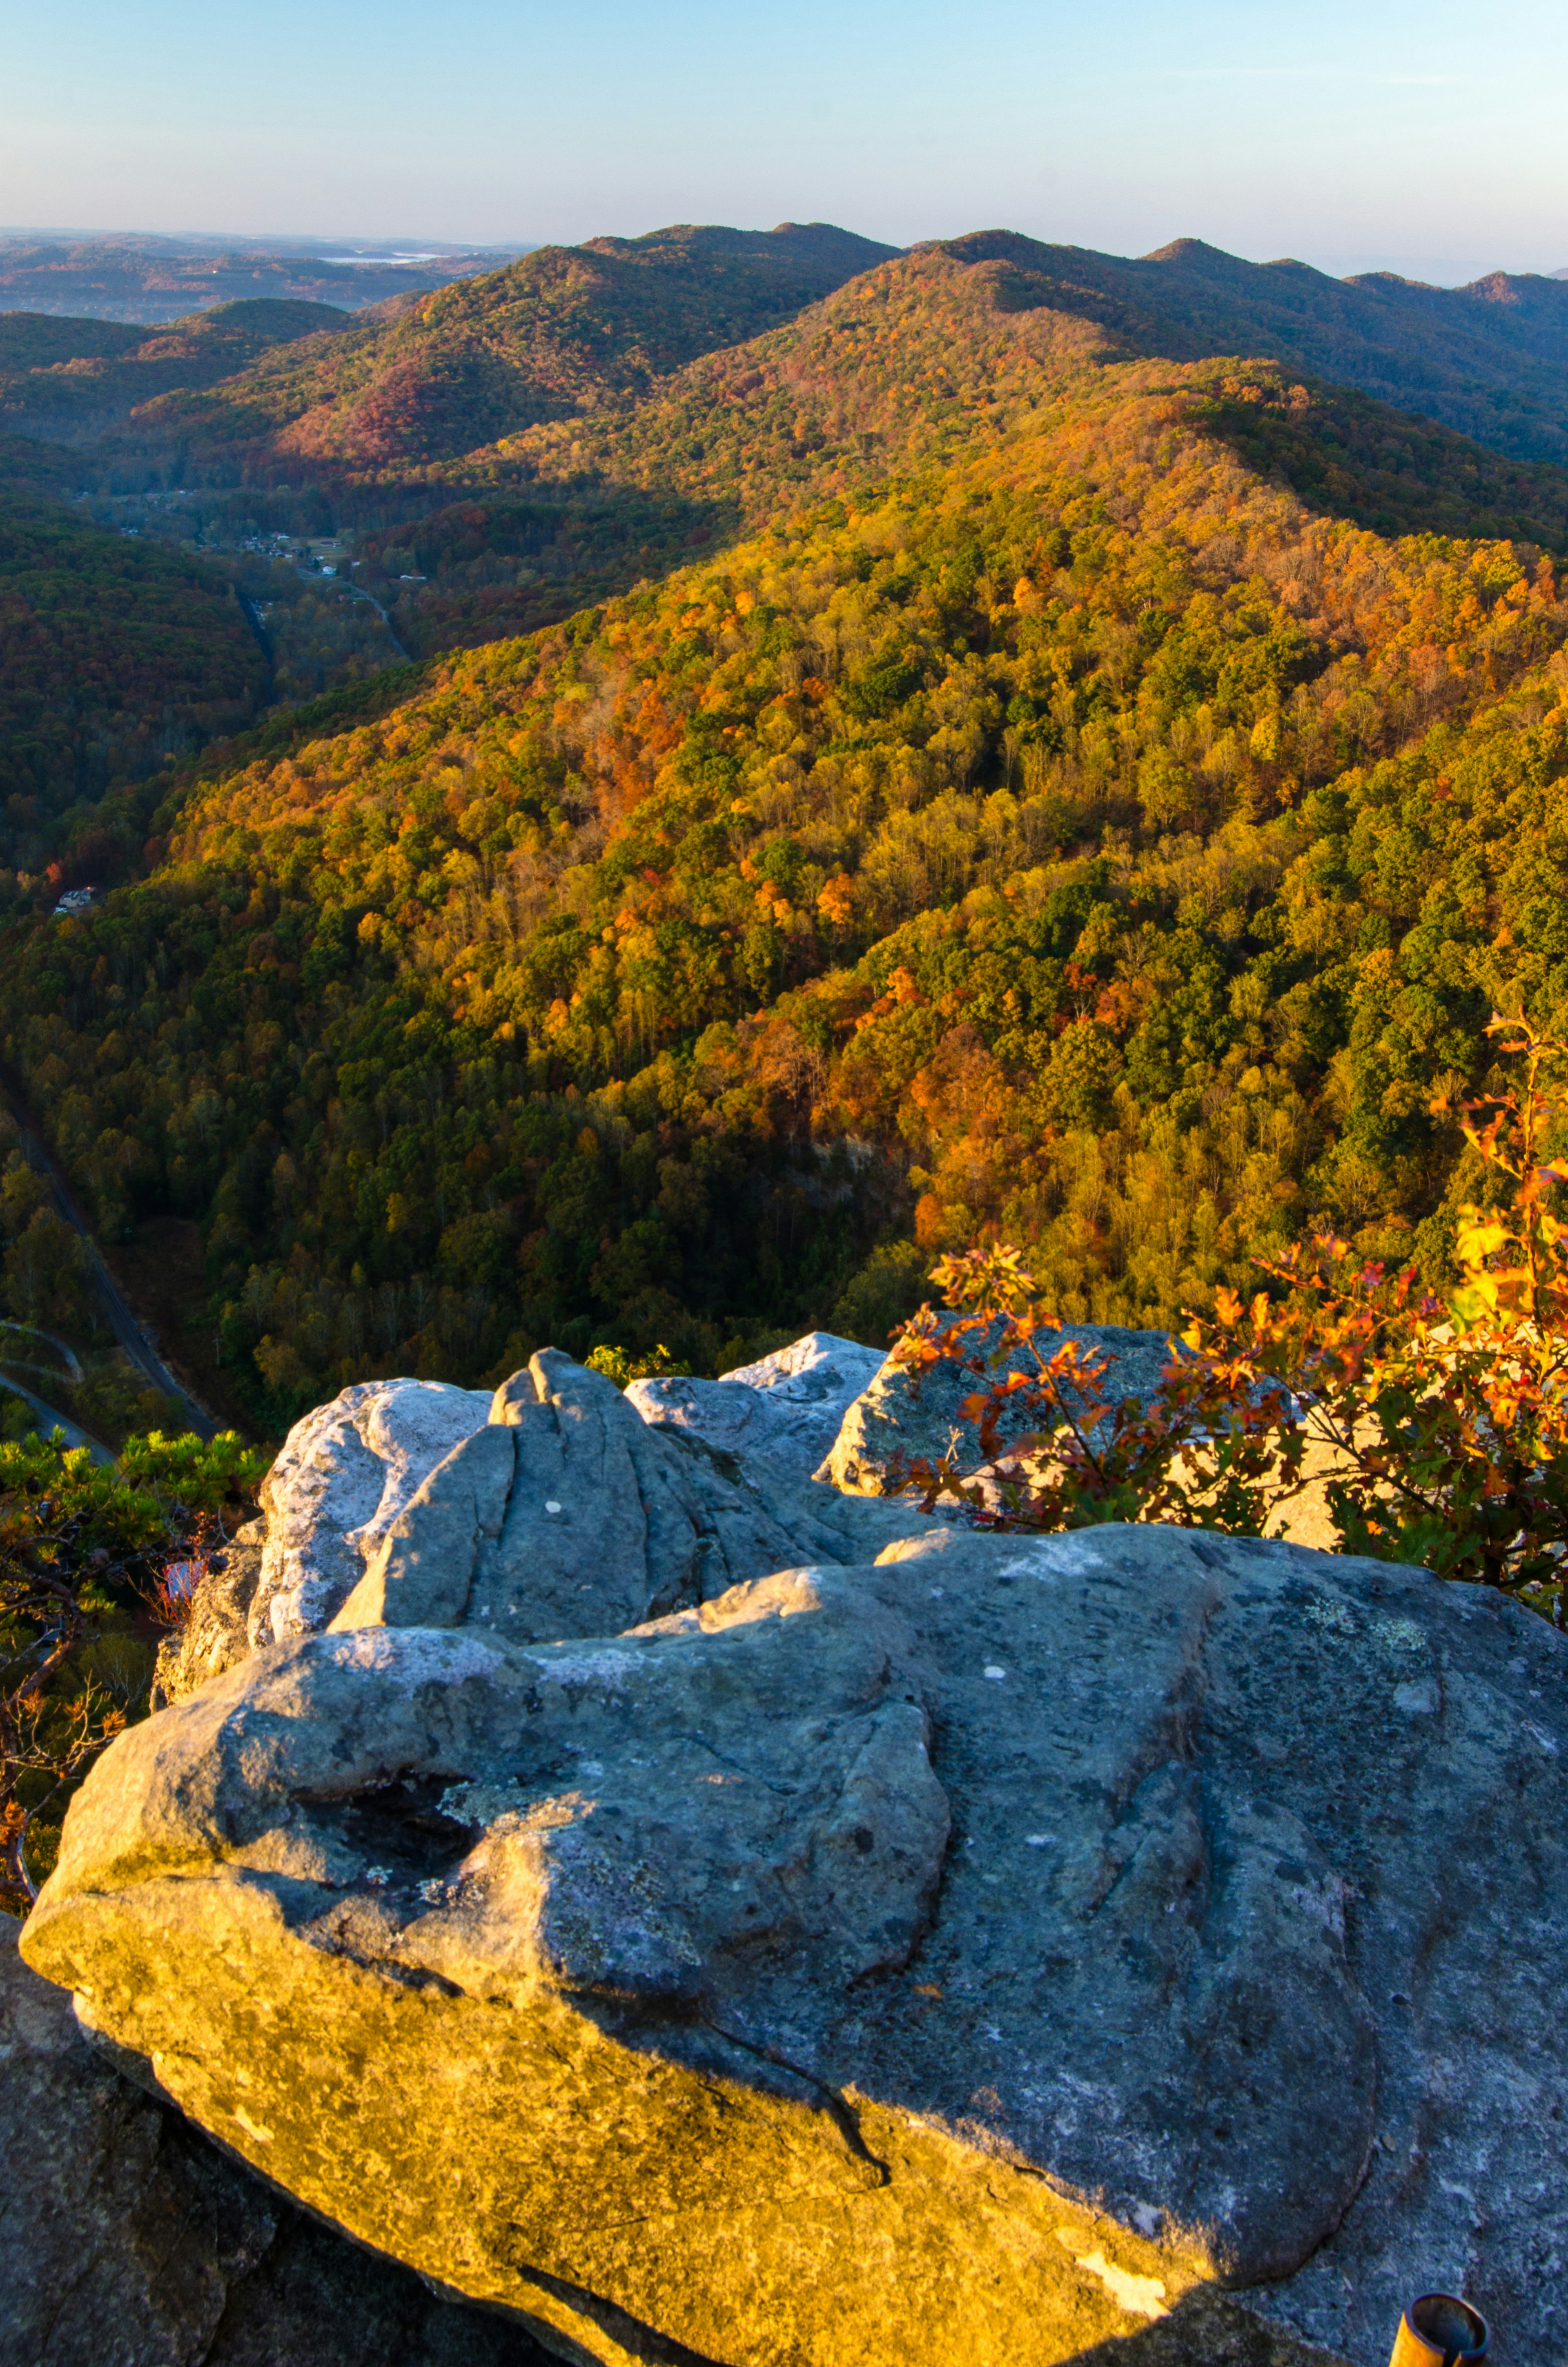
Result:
x=1490 y=359
x=65 y=380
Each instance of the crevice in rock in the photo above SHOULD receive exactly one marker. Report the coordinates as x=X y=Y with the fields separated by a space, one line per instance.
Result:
x=784 y=1791
x=845 y=2116
x=398 y=1828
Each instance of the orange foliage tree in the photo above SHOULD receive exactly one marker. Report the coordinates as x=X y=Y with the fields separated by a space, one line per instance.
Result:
x=1435 y=1421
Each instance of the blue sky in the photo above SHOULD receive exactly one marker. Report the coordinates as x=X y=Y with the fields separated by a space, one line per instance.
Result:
x=1424 y=138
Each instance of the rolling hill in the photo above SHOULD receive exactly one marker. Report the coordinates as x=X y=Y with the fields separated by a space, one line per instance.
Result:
x=64 y=381
x=559 y=333
x=508 y=447
x=1070 y=791
x=1490 y=359
x=533 y=426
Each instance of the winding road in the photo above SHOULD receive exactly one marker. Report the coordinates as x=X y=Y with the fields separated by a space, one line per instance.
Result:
x=360 y=594
x=72 y=1431
x=127 y=1331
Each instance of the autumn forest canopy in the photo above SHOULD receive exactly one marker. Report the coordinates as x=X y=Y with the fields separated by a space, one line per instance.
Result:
x=901 y=750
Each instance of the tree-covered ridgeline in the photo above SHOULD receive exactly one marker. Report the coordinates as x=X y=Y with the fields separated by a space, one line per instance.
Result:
x=532 y=441
x=556 y=333
x=75 y=378
x=1081 y=842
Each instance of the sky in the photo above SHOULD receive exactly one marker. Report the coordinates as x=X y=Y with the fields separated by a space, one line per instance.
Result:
x=1420 y=139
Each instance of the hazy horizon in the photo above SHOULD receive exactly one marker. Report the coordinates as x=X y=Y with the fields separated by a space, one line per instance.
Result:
x=1417 y=139
x=1441 y=273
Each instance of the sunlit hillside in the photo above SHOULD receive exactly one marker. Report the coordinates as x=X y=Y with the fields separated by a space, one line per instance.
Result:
x=1063 y=827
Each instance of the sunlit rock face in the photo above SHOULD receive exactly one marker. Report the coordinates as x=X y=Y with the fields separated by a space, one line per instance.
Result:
x=128 y=2240
x=344 y=1473
x=976 y=1951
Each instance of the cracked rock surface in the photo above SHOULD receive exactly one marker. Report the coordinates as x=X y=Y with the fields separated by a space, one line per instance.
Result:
x=551 y=1508
x=344 y=1473
x=985 y=1951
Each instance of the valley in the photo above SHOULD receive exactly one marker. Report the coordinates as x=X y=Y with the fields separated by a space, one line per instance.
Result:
x=582 y=847
x=151 y=280
x=895 y=749
x=960 y=773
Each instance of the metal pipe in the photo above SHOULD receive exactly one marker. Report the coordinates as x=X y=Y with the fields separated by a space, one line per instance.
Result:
x=1437 y=2330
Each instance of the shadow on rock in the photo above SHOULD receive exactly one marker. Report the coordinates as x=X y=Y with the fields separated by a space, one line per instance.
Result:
x=1205 y=2329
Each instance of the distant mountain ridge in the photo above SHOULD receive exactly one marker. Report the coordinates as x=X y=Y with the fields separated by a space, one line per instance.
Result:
x=423 y=377
x=1490 y=359
x=148 y=279
x=560 y=332
x=523 y=442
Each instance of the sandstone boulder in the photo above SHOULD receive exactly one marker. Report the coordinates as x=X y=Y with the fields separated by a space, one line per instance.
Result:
x=979 y=1954
x=409 y=1504
x=916 y=1414
x=783 y=1412
x=344 y=1475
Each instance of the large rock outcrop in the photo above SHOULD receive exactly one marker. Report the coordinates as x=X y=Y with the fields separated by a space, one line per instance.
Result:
x=129 y=2239
x=552 y=1507
x=975 y=1954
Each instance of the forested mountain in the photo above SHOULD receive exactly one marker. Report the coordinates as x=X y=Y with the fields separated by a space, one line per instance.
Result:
x=114 y=658
x=557 y=334
x=517 y=444
x=547 y=434
x=598 y=321
x=121 y=276
x=39 y=340
x=629 y=464
x=1040 y=815
x=63 y=380
x=856 y=388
